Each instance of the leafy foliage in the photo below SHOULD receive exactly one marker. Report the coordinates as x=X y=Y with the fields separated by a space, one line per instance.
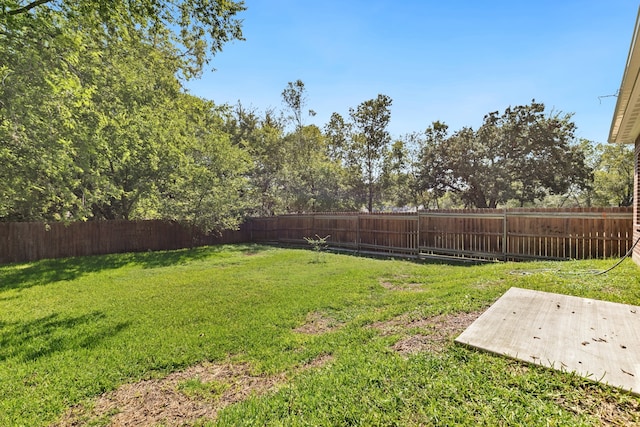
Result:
x=207 y=186
x=520 y=155
x=94 y=122
x=370 y=121
x=614 y=174
x=198 y=27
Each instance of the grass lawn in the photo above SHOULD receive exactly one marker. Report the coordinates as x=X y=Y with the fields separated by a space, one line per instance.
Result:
x=253 y=335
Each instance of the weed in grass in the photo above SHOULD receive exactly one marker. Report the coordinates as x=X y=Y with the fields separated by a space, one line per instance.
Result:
x=319 y=245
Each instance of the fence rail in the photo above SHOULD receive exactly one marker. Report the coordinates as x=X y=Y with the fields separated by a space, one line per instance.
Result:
x=507 y=234
x=30 y=241
x=514 y=234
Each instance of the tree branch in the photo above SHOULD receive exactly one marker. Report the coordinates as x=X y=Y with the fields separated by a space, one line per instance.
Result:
x=27 y=7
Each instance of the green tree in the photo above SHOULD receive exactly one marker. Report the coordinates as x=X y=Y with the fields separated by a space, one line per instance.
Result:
x=351 y=193
x=93 y=118
x=198 y=27
x=613 y=175
x=370 y=140
x=433 y=169
x=303 y=149
x=578 y=194
x=208 y=187
x=395 y=177
x=261 y=136
x=135 y=120
x=400 y=179
x=40 y=96
x=295 y=98
x=522 y=155
x=313 y=179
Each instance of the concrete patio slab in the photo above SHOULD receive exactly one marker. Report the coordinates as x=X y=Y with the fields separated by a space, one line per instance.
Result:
x=598 y=340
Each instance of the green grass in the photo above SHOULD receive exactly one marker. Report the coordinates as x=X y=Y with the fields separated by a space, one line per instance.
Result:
x=196 y=388
x=75 y=328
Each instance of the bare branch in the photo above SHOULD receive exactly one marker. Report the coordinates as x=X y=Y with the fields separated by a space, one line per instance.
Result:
x=27 y=7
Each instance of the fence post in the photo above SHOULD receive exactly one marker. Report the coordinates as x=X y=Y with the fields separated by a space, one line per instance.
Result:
x=358 y=233
x=418 y=235
x=505 y=239
x=279 y=229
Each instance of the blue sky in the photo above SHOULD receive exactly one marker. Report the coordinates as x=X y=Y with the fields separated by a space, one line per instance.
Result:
x=447 y=60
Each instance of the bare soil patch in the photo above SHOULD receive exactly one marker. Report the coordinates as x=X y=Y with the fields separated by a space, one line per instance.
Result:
x=415 y=287
x=159 y=401
x=611 y=408
x=399 y=283
x=488 y=284
x=319 y=361
x=605 y=408
x=317 y=323
x=430 y=334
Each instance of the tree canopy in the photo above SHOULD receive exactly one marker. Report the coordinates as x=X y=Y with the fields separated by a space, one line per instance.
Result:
x=523 y=154
x=370 y=142
x=95 y=124
x=198 y=28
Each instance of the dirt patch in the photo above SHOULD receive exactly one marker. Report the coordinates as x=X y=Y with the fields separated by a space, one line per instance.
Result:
x=430 y=334
x=414 y=287
x=488 y=284
x=168 y=402
x=319 y=361
x=609 y=409
x=400 y=283
x=160 y=401
x=317 y=323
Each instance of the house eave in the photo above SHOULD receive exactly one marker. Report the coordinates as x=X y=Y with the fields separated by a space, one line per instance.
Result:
x=625 y=126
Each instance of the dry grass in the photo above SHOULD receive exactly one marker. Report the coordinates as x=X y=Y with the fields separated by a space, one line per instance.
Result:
x=609 y=408
x=401 y=283
x=317 y=323
x=430 y=334
x=160 y=401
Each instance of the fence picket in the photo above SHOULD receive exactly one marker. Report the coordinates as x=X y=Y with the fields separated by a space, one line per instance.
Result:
x=479 y=233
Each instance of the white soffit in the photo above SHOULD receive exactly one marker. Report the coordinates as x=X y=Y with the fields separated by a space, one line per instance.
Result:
x=625 y=126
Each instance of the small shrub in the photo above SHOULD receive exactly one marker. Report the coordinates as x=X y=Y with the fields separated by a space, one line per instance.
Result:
x=319 y=244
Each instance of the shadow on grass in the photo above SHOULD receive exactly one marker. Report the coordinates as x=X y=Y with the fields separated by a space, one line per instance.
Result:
x=22 y=276
x=423 y=260
x=50 y=334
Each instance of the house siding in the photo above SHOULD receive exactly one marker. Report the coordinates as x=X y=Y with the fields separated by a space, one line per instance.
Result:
x=636 y=203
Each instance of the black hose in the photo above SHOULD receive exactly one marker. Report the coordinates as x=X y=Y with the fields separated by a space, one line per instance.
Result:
x=628 y=254
x=581 y=272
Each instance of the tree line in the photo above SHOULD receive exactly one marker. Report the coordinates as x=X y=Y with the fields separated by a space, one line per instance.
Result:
x=95 y=123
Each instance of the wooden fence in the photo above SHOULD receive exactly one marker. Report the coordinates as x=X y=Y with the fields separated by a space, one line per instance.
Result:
x=513 y=234
x=30 y=241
